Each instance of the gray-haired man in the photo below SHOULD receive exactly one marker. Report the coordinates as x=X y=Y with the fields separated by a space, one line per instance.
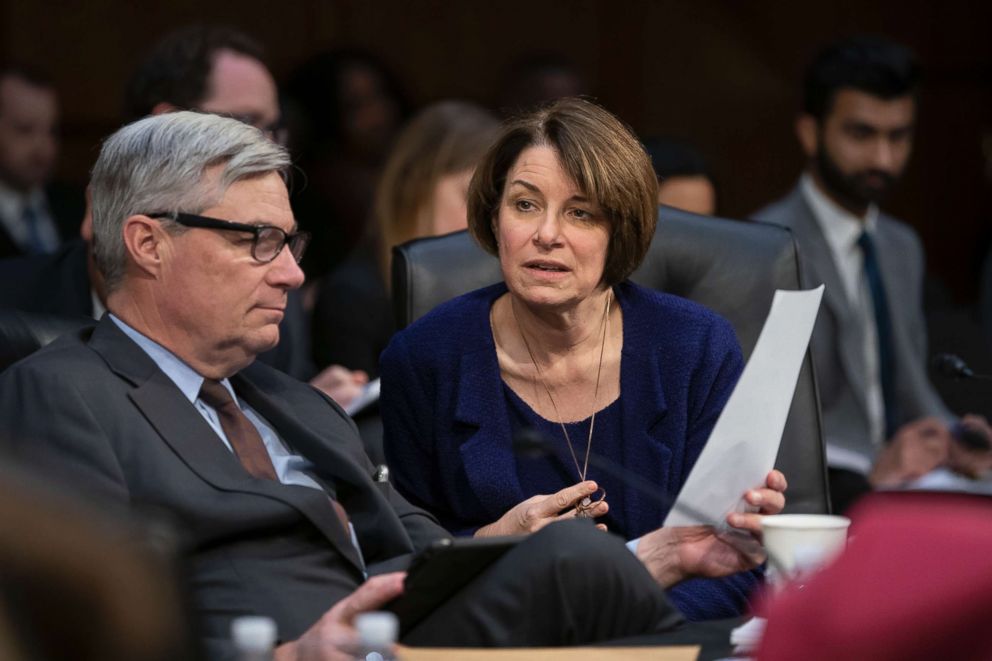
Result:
x=162 y=405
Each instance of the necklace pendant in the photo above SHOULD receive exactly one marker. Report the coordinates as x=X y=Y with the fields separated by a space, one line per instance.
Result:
x=583 y=508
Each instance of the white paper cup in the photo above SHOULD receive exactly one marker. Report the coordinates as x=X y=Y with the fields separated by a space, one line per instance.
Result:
x=799 y=544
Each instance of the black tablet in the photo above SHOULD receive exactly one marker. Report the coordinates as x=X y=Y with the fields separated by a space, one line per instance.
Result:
x=442 y=569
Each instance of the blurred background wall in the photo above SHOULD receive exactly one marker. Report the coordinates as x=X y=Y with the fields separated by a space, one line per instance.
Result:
x=723 y=74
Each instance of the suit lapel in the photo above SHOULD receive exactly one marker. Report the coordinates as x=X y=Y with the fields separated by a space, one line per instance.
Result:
x=643 y=408
x=278 y=411
x=487 y=454
x=300 y=440
x=818 y=264
x=190 y=436
x=181 y=426
x=338 y=461
x=165 y=407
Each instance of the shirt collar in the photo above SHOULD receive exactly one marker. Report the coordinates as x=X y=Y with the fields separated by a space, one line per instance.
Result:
x=12 y=202
x=840 y=227
x=98 y=307
x=185 y=377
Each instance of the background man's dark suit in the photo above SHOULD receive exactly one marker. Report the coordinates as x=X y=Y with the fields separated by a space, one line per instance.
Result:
x=60 y=284
x=66 y=206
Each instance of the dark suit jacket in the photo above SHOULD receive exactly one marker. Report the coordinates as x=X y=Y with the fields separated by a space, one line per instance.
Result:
x=838 y=338
x=447 y=428
x=60 y=284
x=96 y=410
x=49 y=284
x=66 y=204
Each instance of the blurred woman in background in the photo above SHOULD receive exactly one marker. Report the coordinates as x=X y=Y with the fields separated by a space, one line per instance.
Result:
x=422 y=192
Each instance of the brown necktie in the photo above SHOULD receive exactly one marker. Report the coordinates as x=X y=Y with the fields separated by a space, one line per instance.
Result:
x=245 y=439
x=242 y=435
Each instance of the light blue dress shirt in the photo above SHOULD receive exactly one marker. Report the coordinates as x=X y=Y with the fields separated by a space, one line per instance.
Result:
x=290 y=468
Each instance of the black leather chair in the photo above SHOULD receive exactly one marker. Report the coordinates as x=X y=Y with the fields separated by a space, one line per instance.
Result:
x=23 y=333
x=728 y=266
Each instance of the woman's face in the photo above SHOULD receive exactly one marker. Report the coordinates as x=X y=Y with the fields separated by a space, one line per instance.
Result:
x=553 y=240
x=449 y=204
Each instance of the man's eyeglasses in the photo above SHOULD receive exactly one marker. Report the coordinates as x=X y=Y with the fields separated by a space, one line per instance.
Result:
x=267 y=242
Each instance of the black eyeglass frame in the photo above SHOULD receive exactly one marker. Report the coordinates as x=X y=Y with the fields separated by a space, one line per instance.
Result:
x=297 y=241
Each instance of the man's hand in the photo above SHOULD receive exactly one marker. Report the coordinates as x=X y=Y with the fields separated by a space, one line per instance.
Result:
x=967 y=461
x=340 y=384
x=538 y=511
x=334 y=633
x=672 y=555
x=916 y=449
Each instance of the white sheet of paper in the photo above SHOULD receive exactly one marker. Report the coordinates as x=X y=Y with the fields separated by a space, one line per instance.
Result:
x=744 y=442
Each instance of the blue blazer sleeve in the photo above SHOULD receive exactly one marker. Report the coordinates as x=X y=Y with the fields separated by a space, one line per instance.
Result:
x=408 y=402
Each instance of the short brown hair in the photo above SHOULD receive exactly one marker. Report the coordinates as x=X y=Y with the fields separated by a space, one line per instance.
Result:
x=599 y=153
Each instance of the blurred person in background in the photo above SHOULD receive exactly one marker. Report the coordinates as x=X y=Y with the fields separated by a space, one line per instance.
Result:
x=36 y=214
x=540 y=77
x=885 y=425
x=210 y=68
x=221 y=70
x=345 y=108
x=119 y=594
x=684 y=181
x=423 y=192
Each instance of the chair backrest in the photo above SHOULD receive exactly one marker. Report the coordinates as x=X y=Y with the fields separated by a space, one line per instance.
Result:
x=23 y=333
x=731 y=267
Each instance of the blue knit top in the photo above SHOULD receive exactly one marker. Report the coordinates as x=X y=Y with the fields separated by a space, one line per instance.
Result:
x=548 y=473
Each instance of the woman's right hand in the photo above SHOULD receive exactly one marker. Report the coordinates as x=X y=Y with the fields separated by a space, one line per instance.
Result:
x=538 y=511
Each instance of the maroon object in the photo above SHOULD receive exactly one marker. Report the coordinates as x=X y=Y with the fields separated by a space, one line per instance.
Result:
x=914 y=583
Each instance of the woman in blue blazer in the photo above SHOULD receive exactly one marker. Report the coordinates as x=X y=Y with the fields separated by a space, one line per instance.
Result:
x=568 y=347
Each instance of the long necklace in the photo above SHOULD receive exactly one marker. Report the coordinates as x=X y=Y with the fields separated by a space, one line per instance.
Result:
x=583 y=507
